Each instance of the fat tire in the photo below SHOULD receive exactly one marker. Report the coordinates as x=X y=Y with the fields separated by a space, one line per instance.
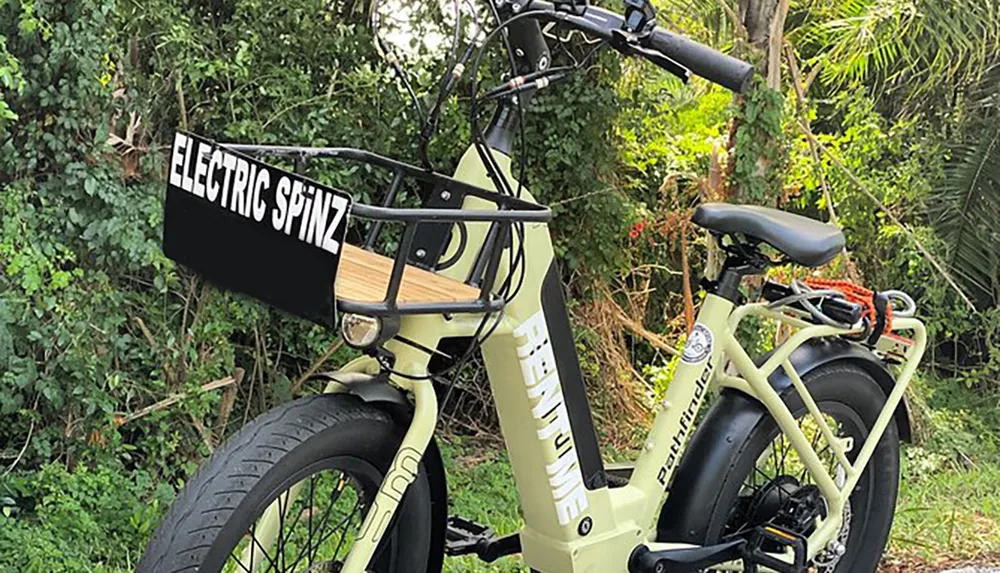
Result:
x=873 y=500
x=241 y=476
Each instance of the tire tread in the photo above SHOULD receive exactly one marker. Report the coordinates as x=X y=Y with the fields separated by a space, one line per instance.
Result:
x=213 y=490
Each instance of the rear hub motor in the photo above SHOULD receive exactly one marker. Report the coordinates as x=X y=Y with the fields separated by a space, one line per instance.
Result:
x=797 y=508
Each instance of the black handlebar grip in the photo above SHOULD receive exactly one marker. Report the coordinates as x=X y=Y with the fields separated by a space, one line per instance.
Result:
x=703 y=61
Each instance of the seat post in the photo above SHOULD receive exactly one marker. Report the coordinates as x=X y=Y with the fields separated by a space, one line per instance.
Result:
x=733 y=270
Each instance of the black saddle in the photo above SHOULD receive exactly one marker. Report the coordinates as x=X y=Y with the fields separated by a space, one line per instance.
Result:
x=803 y=240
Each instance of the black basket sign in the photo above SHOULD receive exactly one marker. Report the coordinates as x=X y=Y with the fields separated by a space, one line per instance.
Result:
x=254 y=228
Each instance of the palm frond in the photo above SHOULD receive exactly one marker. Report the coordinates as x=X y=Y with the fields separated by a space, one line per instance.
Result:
x=966 y=210
x=922 y=44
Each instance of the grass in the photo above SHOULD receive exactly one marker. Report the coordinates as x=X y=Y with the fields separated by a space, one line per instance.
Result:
x=948 y=509
x=481 y=488
x=949 y=500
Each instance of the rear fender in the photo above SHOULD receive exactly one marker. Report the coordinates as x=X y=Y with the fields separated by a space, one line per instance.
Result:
x=376 y=389
x=819 y=351
x=716 y=443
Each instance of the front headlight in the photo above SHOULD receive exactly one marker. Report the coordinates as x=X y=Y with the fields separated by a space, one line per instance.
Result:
x=360 y=331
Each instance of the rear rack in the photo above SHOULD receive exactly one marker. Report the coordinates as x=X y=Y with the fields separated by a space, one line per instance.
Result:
x=372 y=284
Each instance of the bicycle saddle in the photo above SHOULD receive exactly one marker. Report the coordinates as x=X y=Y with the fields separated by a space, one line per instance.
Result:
x=803 y=240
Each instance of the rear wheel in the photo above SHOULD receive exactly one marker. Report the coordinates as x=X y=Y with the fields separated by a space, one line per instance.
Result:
x=766 y=477
x=289 y=493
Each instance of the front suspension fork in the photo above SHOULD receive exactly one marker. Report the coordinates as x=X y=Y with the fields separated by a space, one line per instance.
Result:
x=401 y=474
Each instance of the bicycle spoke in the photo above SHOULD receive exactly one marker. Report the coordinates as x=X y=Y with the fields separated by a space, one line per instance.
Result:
x=784 y=454
x=240 y=563
x=336 y=551
x=326 y=520
x=281 y=533
x=812 y=445
x=254 y=542
x=322 y=539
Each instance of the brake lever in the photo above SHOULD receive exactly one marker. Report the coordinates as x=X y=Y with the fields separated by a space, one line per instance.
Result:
x=627 y=43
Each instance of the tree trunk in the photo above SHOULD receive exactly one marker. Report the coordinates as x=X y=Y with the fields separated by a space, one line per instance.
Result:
x=764 y=22
x=756 y=16
x=759 y=158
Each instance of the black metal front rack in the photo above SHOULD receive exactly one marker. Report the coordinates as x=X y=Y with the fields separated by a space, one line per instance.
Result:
x=427 y=228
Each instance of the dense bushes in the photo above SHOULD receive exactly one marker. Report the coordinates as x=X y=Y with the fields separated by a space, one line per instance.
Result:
x=85 y=520
x=95 y=323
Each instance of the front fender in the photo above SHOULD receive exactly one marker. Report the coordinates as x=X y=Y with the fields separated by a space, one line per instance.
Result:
x=716 y=442
x=375 y=389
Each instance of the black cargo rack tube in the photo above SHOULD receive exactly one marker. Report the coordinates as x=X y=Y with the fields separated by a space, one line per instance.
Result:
x=539 y=213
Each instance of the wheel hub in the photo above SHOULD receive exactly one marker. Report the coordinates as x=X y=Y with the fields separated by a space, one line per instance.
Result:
x=797 y=508
x=786 y=503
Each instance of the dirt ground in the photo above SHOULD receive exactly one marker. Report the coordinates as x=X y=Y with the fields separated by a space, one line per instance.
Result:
x=979 y=564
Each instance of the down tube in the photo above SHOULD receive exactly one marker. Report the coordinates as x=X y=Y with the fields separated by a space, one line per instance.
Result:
x=546 y=422
x=683 y=398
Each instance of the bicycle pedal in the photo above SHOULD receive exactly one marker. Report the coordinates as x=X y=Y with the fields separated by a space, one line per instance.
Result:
x=685 y=560
x=464 y=537
x=755 y=556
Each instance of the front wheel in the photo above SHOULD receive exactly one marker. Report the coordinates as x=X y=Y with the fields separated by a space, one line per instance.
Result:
x=289 y=493
x=764 y=479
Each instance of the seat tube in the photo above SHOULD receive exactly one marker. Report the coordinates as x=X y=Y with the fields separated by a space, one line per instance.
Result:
x=684 y=396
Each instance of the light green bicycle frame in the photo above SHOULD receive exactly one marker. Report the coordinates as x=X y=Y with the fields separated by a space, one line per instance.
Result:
x=529 y=402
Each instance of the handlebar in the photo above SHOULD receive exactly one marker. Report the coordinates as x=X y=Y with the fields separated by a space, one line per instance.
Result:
x=664 y=48
x=703 y=61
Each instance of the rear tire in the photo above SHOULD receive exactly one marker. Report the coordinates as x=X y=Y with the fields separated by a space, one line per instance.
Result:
x=852 y=398
x=292 y=443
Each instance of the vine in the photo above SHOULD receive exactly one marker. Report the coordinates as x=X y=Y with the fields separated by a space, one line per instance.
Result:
x=760 y=148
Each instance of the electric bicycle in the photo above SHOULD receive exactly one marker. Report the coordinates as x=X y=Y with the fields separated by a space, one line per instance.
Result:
x=795 y=467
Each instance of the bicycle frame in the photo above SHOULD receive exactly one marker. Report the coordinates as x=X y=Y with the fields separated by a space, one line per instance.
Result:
x=572 y=520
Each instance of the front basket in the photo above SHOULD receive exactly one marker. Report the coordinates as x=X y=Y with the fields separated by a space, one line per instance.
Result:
x=287 y=239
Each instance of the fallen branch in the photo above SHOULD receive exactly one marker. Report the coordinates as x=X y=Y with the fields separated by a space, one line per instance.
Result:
x=20 y=454
x=174 y=398
x=206 y=436
x=226 y=405
x=167 y=370
x=909 y=234
x=316 y=365
x=655 y=339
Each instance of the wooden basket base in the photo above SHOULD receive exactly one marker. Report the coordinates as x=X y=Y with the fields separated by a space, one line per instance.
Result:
x=363 y=276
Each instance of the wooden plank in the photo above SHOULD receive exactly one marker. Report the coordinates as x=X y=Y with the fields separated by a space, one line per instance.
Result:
x=363 y=276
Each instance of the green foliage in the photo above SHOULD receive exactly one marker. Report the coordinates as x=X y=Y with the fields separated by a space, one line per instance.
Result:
x=919 y=47
x=81 y=521
x=761 y=155
x=967 y=204
x=94 y=321
x=571 y=168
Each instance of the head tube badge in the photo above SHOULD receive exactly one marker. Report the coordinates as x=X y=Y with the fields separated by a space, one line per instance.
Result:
x=699 y=345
